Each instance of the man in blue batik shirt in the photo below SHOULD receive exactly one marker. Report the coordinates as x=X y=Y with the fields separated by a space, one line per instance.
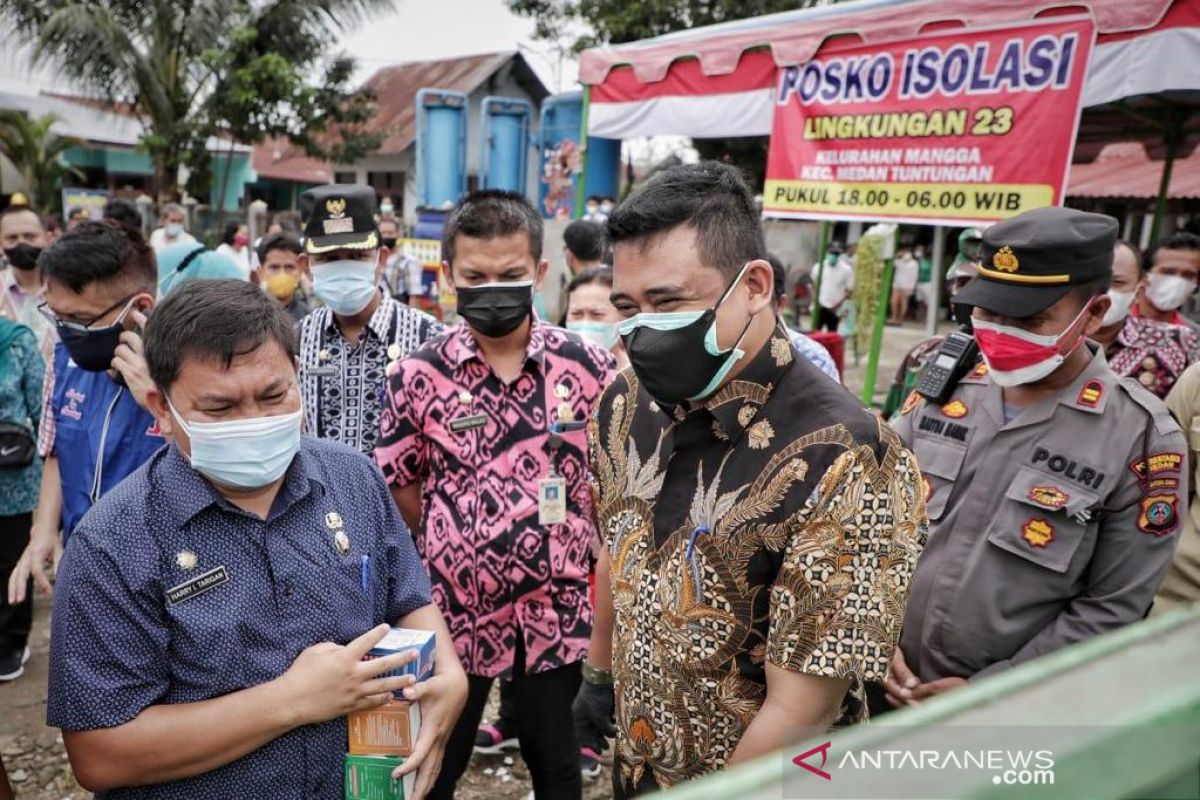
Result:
x=213 y=609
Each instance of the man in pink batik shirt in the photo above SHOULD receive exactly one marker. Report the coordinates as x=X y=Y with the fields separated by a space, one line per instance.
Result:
x=483 y=442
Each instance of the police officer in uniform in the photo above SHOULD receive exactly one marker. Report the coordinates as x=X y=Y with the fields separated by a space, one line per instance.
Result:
x=1055 y=489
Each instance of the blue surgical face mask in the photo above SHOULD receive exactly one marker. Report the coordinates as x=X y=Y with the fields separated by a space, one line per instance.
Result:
x=243 y=453
x=174 y=229
x=603 y=334
x=347 y=286
x=676 y=355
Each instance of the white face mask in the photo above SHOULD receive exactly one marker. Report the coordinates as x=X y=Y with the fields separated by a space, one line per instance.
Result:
x=1119 y=310
x=243 y=453
x=1169 y=292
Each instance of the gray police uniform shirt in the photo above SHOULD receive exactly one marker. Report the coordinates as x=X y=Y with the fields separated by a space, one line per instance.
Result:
x=1022 y=559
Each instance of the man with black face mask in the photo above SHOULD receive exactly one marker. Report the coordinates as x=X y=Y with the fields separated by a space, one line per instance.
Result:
x=22 y=239
x=483 y=442
x=100 y=279
x=964 y=267
x=759 y=526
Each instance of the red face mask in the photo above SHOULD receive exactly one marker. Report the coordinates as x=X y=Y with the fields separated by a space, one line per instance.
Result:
x=241 y=239
x=1015 y=356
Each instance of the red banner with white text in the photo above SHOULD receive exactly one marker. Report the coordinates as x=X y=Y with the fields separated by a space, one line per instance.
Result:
x=955 y=128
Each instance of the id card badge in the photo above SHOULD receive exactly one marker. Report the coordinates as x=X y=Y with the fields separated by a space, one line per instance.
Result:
x=552 y=500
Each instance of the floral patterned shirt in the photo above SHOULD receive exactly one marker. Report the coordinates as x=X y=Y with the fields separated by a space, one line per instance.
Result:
x=1153 y=353
x=21 y=369
x=778 y=521
x=479 y=448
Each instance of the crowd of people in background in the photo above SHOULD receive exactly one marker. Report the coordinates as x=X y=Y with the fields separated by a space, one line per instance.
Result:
x=657 y=516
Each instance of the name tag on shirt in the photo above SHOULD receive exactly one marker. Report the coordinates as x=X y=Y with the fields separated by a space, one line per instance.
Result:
x=471 y=422
x=552 y=501
x=323 y=372
x=197 y=586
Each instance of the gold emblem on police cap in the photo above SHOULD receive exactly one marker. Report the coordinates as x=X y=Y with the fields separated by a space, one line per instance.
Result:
x=336 y=206
x=333 y=520
x=1006 y=260
x=186 y=559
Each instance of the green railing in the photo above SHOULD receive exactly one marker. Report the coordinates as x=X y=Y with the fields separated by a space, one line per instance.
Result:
x=1122 y=711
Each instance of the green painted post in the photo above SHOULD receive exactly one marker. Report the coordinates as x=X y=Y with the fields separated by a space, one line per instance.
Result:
x=581 y=181
x=826 y=228
x=1164 y=186
x=885 y=290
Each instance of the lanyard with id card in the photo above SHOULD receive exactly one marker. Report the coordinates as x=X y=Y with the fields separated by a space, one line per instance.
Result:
x=552 y=489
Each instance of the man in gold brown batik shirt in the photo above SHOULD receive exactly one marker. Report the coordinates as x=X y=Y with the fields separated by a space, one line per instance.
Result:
x=759 y=526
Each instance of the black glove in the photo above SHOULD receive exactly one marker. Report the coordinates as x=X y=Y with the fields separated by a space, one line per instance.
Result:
x=593 y=711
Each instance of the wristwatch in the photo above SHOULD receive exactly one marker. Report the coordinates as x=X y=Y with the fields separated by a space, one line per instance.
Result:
x=596 y=676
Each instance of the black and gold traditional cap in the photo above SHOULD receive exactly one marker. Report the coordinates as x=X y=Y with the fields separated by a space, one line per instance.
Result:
x=339 y=216
x=1029 y=262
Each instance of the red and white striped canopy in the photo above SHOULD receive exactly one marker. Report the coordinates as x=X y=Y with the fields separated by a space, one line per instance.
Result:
x=719 y=81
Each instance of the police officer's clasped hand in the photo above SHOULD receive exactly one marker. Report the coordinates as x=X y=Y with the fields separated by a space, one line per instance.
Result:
x=593 y=711
x=328 y=680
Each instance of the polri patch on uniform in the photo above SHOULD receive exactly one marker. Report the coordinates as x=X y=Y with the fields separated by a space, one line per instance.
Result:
x=1038 y=532
x=1049 y=496
x=1090 y=394
x=955 y=409
x=1159 y=462
x=910 y=402
x=467 y=423
x=194 y=587
x=1159 y=514
x=981 y=369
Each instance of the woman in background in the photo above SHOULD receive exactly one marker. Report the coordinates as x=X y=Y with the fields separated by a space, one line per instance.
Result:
x=592 y=315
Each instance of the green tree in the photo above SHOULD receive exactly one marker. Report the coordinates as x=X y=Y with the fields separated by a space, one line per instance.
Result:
x=620 y=21
x=36 y=153
x=192 y=70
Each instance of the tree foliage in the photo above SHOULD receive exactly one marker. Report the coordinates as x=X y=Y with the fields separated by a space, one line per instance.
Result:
x=36 y=153
x=619 y=21
x=191 y=71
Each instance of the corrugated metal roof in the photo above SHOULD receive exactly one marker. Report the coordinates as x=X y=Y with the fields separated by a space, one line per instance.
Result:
x=1124 y=169
x=279 y=159
x=396 y=90
x=78 y=118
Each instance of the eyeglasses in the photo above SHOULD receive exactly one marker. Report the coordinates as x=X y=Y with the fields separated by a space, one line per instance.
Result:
x=54 y=319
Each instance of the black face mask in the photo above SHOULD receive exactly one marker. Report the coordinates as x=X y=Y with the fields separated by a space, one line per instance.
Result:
x=389 y=241
x=23 y=256
x=92 y=349
x=496 y=309
x=676 y=365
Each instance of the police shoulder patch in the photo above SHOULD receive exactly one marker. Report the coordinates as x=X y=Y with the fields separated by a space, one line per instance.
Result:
x=1159 y=514
x=1159 y=462
x=910 y=402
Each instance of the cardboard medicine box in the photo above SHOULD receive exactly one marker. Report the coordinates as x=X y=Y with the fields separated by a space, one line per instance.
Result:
x=389 y=730
x=370 y=778
x=400 y=640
